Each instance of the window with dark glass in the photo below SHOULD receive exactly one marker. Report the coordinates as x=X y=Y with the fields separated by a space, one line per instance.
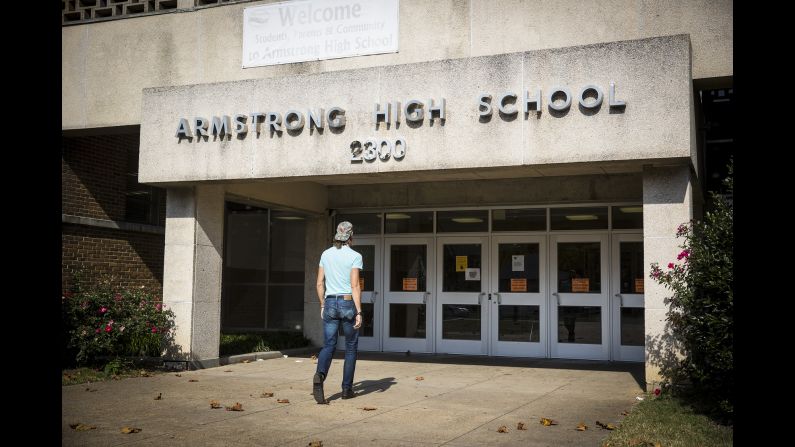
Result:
x=462 y=221
x=631 y=260
x=408 y=222
x=143 y=203
x=263 y=275
x=578 y=218
x=461 y=268
x=627 y=217
x=579 y=267
x=531 y=219
x=363 y=223
x=245 y=274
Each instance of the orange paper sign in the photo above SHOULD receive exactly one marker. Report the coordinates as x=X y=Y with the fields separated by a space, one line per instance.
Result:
x=639 y=285
x=519 y=285
x=580 y=285
x=361 y=283
x=410 y=284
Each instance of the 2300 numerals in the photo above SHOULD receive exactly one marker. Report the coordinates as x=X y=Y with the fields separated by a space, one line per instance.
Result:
x=374 y=148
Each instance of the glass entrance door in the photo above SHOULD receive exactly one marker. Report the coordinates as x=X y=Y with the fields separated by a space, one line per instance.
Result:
x=408 y=294
x=628 y=335
x=518 y=290
x=578 y=283
x=370 y=282
x=462 y=288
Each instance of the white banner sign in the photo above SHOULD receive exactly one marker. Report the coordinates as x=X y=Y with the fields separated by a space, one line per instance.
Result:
x=310 y=30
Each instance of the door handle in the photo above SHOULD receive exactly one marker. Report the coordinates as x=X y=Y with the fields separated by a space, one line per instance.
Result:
x=499 y=298
x=374 y=294
x=621 y=298
x=557 y=296
x=480 y=297
x=425 y=297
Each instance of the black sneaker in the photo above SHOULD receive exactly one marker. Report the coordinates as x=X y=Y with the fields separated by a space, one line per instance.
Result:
x=317 y=388
x=347 y=393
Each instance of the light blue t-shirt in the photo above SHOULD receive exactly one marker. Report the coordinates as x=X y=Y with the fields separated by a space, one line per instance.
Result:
x=337 y=264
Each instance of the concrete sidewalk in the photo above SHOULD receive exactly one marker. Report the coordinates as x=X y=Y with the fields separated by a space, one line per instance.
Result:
x=461 y=402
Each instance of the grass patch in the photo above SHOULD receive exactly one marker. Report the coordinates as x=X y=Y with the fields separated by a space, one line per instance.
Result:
x=76 y=376
x=670 y=421
x=233 y=344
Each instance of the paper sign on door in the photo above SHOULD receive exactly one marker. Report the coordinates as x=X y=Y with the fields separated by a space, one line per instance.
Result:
x=410 y=284
x=460 y=263
x=361 y=283
x=517 y=263
x=519 y=285
x=639 y=285
x=580 y=285
x=472 y=274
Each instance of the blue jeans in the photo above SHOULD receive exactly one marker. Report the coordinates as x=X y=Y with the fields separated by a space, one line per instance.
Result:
x=337 y=311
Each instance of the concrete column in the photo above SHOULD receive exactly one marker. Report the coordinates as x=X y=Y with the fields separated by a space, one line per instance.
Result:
x=192 y=272
x=667 y=203
x=316 y=241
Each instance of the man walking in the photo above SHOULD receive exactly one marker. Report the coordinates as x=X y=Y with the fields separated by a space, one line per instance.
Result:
x=340 y=298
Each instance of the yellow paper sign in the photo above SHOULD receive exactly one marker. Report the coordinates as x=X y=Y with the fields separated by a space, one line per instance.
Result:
x=410 y=284
x=460 y=263
x=639 y=285
x=519 y=285
x=580 y=285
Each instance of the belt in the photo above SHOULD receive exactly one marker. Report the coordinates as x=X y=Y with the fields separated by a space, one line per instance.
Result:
x=344 y=297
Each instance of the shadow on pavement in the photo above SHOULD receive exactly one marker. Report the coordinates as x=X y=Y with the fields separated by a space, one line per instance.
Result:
x=635 y=369
x=368 y=386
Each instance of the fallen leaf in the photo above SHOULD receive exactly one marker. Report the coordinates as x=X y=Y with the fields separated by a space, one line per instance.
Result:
x=82 y=427
x=582 y=427
x=546 y=422
x=624 y=413
x=143 y=373
x=657 y=444
x=192 y=380
x=502 y=429
x=315 y=444
x=419 y=378
x=520 y=426
x=178 y=375
x=314 y=357
x=91 y=390
x=215 y=404
x=128 y=430
x=369 y=408
x=607 y=426
x=159 y=396
x=114 y=377
x=246 y=361
x=266 y=395
x=228 y=370
x=283 y=401
x=236 y=407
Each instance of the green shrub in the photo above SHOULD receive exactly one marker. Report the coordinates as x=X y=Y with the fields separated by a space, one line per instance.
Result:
x=700 y=311
x=100 y=321
x=232 y=344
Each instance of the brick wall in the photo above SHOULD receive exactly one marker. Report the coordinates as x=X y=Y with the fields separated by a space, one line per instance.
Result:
x=93 y=180
x=132 y=259
x=93 y=185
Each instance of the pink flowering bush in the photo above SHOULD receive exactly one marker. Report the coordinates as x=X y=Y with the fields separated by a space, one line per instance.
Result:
x=99 y=321
x=701 y=303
